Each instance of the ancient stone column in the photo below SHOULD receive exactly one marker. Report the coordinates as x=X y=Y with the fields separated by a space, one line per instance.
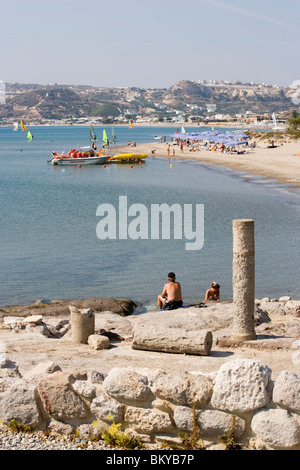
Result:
x=172 y=340
x=243 y=279
x=82 y=324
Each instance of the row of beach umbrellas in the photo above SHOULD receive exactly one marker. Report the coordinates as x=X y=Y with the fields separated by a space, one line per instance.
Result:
x=234 y=138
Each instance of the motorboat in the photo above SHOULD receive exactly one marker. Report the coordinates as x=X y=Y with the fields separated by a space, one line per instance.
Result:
x=79 y=158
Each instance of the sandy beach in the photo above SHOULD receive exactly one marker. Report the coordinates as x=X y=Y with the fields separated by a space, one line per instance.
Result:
x=281 y=163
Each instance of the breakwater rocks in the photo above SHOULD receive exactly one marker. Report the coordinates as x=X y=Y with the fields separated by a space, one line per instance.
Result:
x=155 y=406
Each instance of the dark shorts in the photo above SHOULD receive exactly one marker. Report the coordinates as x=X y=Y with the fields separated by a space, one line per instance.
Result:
x=173 y=305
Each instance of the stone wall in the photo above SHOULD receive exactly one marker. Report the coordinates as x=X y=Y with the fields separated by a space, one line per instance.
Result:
x=157 y=406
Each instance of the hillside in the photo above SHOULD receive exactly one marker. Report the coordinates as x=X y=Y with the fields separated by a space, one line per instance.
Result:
x=37 y=102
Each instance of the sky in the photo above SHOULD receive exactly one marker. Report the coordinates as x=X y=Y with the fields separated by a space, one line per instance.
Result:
x=149 y=44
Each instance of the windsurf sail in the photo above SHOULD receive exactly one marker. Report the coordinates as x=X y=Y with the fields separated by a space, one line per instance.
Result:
x=92 y=133
x=16 y=126
x=105 y=137
x=130 y=124
x=24 y=128
x=114 y=137
x=29 y=135
x=183 y=130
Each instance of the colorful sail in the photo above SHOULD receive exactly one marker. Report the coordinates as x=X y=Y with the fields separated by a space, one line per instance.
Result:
x=24 y=128
x=92 y=133
x=104 y=137
x=29 y=135
x=16 y=126
x=130 y=124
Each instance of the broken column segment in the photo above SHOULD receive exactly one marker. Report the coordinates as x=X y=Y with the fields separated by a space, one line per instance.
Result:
x=172 y=340
x=82 y=324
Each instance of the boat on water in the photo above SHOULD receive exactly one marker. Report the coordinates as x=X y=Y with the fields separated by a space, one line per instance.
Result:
x=127 y=158
x=75 y=157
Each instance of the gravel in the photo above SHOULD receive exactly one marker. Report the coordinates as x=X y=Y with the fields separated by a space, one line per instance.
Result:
x=39 y=441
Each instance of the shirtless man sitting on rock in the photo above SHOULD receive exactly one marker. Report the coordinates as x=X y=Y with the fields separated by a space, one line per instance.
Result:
x=171 y=297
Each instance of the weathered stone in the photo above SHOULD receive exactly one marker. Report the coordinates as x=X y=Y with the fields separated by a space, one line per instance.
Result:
x=60 y=399
x=295 y=311
x=34 y=319
x=261 y=317
x=215 y=423
x=113 y=322
x=200 y=389
x=286 y=391
x=163 y=405
x=98 y=342
x=241 y=385
x=291 y=305
x=284 y=298
x=125 y=384
x=43 y=369
x=82 y=324
x=184 y=418
x=272 y=308
x=123 y=307
x=107 y=409
x=168 y=387
x=183 y=389
x=12 y=320
x=8 y=369
x=84 y=389
x=85 y=431
x=96 y=377
x=56 y=308
x=172 y=340
x=18 y=400
x=57 y=427
x=147 y=420
x=276 y=428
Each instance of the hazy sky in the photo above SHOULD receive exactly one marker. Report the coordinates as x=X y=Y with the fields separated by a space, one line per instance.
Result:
x=151 y=44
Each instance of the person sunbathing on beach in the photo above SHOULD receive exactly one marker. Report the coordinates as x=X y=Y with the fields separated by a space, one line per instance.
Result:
x=171 y=296
x=213 y=293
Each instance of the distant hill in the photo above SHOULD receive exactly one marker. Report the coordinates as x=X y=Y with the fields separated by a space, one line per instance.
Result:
x=37 y=102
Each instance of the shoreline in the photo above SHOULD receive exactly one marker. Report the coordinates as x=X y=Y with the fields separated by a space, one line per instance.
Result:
x=281 y=163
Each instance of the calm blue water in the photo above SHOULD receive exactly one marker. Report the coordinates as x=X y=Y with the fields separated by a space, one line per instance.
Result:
x=49 y=248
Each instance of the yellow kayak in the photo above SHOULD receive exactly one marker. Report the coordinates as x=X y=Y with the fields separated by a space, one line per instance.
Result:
x=128 y=157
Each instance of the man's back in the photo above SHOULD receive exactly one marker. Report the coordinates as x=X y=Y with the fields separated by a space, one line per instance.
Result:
x=173 y=291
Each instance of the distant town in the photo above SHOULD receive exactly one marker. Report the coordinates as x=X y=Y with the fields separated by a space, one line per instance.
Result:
x=194 y=102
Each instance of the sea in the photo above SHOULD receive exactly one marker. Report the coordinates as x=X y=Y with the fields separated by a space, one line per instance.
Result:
x=50 y=247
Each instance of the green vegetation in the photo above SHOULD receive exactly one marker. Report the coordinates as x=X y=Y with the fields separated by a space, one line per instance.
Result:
x=228 y=438
x=15 y=426
x=294 y=124
x=105 y=110
x=190 y=441
x=113 y=436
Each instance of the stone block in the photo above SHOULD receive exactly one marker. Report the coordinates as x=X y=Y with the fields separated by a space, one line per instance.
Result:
x=98 y=342
x=107 y=409
x=127 y=385
x=18 y=400
x=286 y=392
x=241 y=386
x=276 y=428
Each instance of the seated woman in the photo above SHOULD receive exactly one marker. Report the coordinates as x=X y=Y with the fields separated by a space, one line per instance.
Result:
x=213 y=293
